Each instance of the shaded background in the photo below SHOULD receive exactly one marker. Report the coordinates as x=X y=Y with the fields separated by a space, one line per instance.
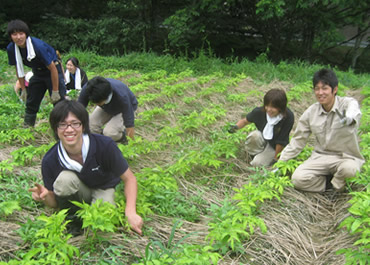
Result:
x=326 y=32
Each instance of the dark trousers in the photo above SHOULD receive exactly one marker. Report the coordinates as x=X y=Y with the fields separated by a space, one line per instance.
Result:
x=37 y=87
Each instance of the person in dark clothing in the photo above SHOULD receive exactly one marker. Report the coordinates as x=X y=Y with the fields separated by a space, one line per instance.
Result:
x=274 y=121
x=47 y=71
x=116 y=106
x=83 y=166
x=75 y=77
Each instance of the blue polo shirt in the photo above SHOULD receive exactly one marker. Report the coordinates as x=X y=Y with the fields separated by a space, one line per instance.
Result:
x=123 y=101
x=281 y=129
x=102 y=169
x=45 y=54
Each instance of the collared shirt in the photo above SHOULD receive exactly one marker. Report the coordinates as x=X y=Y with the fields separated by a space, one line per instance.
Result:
x=122 y=101
x=45 y=54
x=331 y=136
x=102 y=168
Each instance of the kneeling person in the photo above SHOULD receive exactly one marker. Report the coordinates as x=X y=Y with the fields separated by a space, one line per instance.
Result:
x=82 y=166
x=274 y=121
x=116 y=106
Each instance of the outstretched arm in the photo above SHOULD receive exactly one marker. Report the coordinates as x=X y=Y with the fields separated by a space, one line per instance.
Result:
x=135 y=221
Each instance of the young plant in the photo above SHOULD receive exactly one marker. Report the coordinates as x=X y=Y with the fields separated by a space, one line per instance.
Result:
x=99 y=216
x=8 y=207
x=50 y=245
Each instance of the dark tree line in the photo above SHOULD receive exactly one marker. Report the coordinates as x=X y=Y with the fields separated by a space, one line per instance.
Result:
x=283 y=29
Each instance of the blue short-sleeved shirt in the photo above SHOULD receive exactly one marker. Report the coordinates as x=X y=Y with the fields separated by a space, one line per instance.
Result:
x=123 y=101
x=45 y=54
x=102 y=169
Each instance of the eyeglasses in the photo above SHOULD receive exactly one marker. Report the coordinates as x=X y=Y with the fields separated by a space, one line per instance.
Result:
x=74 y=125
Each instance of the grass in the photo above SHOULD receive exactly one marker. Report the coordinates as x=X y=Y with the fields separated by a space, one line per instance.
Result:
x=188 y=167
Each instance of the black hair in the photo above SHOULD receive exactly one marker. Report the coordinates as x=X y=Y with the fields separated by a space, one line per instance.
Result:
x=74 y=61
x=327 y=77
x=17 y=25
x=61 y=111
x=98 y=89
x=276 y=98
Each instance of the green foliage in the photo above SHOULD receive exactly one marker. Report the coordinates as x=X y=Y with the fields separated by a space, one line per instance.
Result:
x=8 y=207
x=99 y=216
x=16 y=136
x=358 y=223
x=236 y=221
x=158 y=253
x=25 y=155
x=50 y=243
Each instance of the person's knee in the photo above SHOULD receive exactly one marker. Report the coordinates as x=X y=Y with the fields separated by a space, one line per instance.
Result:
x=112 y=133
x=260 y=161
x=347 y=170
x=67 y=183
x=254 y=136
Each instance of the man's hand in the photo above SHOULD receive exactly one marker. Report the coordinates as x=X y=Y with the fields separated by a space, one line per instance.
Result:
x=23 y=96
x=136 y=222
x=39 y=192
x=55 y=97
x=343 y=118
x=233 y=128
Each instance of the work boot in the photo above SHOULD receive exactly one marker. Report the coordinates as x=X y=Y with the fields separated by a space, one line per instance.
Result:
x=29 y=120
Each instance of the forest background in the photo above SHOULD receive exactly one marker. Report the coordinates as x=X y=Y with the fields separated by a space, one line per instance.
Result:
x=328 y=32
x=201 y=201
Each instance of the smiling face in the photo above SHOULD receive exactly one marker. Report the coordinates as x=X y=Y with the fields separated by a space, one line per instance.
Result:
x=325 y=95
x=19 y=38
x=272 y=111
x=71 y=136
x=71 y=68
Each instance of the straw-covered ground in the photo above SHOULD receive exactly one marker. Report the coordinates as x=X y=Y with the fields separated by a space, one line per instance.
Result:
x=302 y=228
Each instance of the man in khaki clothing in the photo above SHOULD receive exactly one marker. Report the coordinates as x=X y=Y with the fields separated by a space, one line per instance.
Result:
x=334 y=122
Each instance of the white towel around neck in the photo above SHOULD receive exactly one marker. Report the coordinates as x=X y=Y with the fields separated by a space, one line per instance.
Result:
x=18 y=58
x=67 y=162
x=77 y=78
x=268 y=131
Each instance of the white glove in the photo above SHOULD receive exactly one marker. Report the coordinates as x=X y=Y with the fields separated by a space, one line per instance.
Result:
x=55 y=97
x=343 y=118
x=23 y=95
x=346 y=121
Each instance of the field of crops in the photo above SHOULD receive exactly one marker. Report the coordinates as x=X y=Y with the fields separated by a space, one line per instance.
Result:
x=201 y=201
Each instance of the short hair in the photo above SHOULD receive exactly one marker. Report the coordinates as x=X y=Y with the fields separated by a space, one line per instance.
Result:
x=327 y=77
x=17 y=25
x=74 y=61
x=98 y=89
x=61 y=111
x=276 y=98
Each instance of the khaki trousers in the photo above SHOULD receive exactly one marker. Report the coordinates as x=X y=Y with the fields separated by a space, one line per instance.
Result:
x=113 y=124
x=258 y=147
x=311 y=175
x=68 y=184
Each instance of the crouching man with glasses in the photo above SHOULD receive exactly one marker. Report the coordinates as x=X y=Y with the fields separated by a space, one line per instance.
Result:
x=83 y=167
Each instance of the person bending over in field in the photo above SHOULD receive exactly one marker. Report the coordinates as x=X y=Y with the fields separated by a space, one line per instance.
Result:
x=83 y=166
x=47 y=71
x=274 y=121
x=334 y=122
x=116 y=106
